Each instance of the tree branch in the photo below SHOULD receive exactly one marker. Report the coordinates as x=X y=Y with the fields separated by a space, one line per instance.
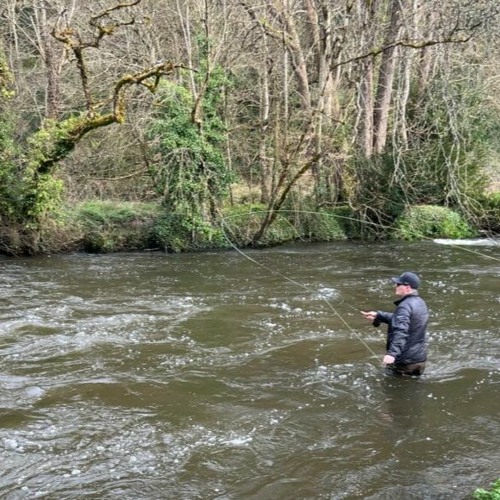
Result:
x=275 y=206
x=399 y=43
x=72 y=39
x=60 y=138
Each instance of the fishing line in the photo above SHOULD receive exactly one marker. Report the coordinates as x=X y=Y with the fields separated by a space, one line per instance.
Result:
x=465 y=249
x=298 y=284
x=309 y=290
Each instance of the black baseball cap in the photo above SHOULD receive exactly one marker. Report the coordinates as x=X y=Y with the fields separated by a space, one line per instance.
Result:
x=407 y=278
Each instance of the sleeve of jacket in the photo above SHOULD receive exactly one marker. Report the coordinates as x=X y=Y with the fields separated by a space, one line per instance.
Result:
x=400 y=331
x=382 y=317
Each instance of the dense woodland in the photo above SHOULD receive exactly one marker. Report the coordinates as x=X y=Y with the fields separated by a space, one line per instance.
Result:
x=367 y=107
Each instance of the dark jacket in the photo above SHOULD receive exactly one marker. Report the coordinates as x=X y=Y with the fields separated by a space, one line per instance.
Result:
x=406 y=334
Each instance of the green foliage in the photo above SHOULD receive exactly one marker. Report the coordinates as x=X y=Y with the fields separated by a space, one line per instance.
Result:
x=378 y=195
x=492 y=494
x=6 y=78
x=47 y=197
x=29 y=191
x=427 y=221
x=8 y=178
x=323 y=225
x=113 y=227
x=191 y=176
x=9 y=187
x=107 y=212
x=348 y=221
x=454 y=133
x=176 y=232
x=280 y=231
x=54 y=140
x=487 y=213
x=241 y=222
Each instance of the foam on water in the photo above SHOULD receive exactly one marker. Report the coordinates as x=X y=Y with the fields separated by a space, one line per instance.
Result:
x=476 y=242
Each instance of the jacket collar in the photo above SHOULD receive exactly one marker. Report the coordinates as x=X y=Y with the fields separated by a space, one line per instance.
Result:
x=414 y=293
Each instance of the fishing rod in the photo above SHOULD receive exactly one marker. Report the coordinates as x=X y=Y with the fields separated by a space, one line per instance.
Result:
x=304 y=287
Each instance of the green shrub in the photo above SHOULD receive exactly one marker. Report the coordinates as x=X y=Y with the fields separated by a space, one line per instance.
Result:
x=323 y=225
x=241 y=222
x=110 y=212
x=493 y=494
x=190 y=172
x=116 y=226
x=488 y=213
x=429 y=221
x=180 y=233
x=349 y=222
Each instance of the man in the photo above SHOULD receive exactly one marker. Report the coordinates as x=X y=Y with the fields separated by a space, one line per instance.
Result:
x=406 y=349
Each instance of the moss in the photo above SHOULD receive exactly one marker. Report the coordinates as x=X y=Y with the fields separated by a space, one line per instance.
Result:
x=116 y=226
x=57 y=139
x=430 y=221
x=6 y=78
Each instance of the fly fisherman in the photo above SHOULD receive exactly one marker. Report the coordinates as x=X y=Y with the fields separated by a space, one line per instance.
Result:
x=406 y=349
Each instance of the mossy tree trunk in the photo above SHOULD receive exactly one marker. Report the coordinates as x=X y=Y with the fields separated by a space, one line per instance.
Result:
x=37 y=190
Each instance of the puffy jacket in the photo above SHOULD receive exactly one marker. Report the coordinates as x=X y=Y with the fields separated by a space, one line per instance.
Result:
x=406 y=334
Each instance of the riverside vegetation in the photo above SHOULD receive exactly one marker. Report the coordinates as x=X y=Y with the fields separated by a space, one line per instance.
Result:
x=491 y=494
x=255 y=125
x=102 y=226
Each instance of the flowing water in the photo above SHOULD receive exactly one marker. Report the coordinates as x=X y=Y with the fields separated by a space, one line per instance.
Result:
x=208 y=376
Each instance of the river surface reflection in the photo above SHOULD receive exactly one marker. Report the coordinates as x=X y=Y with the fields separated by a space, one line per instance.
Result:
x=207 y=376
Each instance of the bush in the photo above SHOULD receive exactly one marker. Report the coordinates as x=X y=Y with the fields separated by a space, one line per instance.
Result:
x=429 y=221
x=241 y=222
x=113 y=227
x=349 y=221
x=488 y=214
x=323 y=225
x=493 y=494
x=51 y=236
x=180 y=233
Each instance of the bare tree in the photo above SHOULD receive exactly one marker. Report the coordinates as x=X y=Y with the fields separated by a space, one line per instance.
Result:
x=317 y=82
x=57 y=138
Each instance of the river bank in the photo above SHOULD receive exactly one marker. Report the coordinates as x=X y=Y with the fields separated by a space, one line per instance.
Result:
x=105 y=227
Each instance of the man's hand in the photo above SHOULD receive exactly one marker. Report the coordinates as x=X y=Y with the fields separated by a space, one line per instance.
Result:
x=369 y=315
x=388 y=360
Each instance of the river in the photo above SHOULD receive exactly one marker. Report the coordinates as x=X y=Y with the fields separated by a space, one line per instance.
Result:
x=228 y=376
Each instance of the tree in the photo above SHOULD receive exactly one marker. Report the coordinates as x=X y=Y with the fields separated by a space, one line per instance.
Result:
x=57 y=137
x=325 y=97
x=7 y=170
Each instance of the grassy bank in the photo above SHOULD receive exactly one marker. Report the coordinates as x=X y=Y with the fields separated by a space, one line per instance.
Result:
x=104 y=226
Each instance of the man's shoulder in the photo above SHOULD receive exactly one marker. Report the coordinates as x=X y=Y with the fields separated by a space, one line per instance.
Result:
x=412 y=299
x=416 y=302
